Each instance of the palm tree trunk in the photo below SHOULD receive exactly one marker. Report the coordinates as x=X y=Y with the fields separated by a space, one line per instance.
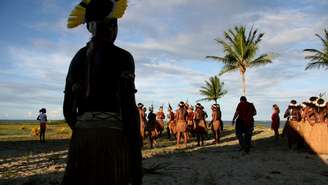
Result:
x=244 y=83
x=216 y=101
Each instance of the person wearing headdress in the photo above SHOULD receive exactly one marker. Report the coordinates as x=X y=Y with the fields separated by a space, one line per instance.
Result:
x=190 y=120
x=143 y=120
x=99 y=102
x=321 y=111
x=216 y=124
x=244 y=117
x=171 y=123
x=43 y=124
x=275 y=118
x=200 y=124
x=152 y=127
x=311 y=113
x=181 y=123
x=293 y=115
x=160 y=116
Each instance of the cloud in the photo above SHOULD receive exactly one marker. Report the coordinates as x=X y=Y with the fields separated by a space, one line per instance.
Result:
x=169 y=41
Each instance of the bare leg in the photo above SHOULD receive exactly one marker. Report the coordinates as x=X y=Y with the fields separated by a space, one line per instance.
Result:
x=178 y=138
x=185 y=138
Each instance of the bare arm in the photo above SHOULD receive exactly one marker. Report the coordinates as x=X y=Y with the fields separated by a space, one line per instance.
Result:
x=130 y=117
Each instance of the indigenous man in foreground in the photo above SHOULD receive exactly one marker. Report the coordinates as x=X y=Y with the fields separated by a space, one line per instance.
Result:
x=181 y=120
x=245 y=123
x=200 y=124
x=171 y=123
x=99 y=103
x=143 y=120
x=216 y=123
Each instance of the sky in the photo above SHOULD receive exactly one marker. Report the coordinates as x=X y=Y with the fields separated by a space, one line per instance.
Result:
x=169 y=41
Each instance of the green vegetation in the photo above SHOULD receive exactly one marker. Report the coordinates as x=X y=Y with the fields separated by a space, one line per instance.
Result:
x=23 y=131
x=213 y=90
x=318 y=58
x=240 y=51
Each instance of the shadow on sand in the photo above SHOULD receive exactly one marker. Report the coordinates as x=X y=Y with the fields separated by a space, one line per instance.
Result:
x=269 y=162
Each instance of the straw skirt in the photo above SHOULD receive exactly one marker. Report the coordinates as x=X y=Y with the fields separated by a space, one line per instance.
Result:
x=97 y=156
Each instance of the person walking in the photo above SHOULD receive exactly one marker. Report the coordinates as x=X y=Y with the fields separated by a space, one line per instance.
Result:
x=244 y=121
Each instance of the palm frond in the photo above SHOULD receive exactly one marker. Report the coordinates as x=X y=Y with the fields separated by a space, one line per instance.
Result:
x=228 y=68
x=261 y=60
x=212 y=90
x=318 y=58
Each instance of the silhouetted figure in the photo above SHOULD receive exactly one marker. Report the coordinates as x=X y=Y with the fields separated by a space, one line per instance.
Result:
x=100 y=107
x=43 y=124
x=245 y=123
x=152 y=127
x=200 y=124
x=190 y=120
x=275 y=118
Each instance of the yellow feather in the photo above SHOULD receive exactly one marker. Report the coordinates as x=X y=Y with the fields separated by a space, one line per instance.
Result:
x=86 y=1
x=76 y=17
x=119 y=9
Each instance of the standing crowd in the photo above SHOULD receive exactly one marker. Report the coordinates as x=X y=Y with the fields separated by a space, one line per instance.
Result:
x=190 y=121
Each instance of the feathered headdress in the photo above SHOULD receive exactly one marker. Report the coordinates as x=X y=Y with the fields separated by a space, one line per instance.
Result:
x=170 y=107
x=93 y=10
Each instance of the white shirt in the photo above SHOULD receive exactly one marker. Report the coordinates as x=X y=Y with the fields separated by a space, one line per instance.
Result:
x=43 y=118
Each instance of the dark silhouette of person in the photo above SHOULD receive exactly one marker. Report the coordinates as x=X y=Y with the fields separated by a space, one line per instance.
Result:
x=99 y=106
x=245 y=123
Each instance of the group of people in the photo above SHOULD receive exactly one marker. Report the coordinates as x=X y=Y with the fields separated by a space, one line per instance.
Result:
x=189 y=121
x=108 y=128
x=314 y=111
x=186 y=121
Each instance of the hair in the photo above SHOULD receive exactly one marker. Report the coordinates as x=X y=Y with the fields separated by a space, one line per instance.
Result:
x=276 y=108
x=43 y=110
x=293 y=102
x=243 y=98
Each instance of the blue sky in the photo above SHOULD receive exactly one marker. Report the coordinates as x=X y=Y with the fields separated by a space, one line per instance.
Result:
x=169 y=41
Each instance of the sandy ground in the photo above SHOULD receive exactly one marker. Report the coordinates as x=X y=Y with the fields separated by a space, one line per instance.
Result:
x=270 y=162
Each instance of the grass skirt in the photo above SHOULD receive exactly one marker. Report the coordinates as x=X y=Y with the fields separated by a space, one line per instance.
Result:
x=181 y=126
x=200 y=126
x=97 y=156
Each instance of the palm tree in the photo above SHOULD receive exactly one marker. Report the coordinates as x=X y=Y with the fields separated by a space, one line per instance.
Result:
x=240 y=51
x=319 y=59
x=213 y=90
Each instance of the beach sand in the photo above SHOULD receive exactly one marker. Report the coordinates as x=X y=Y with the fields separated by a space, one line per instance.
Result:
x=269 y=162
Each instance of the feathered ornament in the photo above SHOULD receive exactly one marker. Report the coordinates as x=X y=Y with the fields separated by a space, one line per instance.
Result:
x=77 y=15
